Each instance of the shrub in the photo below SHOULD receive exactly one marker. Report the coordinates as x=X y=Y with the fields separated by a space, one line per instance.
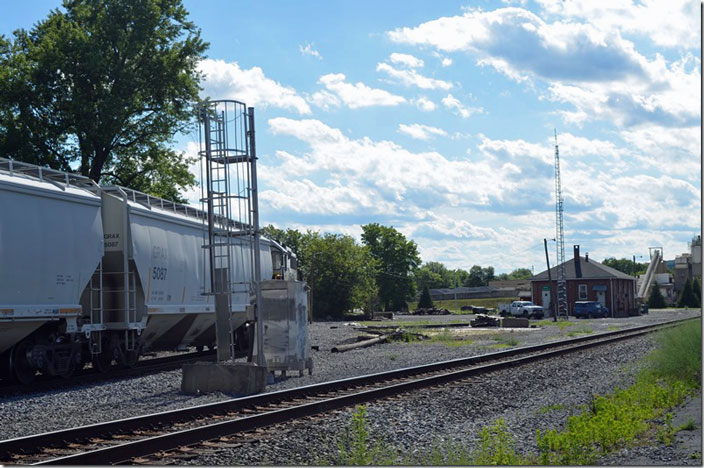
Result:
x=656 y=300
x=425 y=302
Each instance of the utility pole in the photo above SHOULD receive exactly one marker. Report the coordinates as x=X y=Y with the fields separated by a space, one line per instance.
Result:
x=553 y=307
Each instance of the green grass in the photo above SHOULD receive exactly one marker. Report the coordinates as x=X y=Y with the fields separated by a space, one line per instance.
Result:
x=409 y=323
x=488 y=302
x=560 y=323
x=681 y=354
x=448 y=338
x=629 y=416
x=581 y=331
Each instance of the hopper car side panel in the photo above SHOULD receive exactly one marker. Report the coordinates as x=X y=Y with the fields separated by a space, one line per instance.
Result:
x=50 y=244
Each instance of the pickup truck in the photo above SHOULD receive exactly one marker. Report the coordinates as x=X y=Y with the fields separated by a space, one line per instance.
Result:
x=520 y=309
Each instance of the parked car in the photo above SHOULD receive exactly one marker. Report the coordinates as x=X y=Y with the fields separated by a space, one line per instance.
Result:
x=590 y=309
x=521 y=309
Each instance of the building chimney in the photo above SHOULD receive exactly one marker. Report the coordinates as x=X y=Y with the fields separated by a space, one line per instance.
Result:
x=577 y=264
x=586 y=257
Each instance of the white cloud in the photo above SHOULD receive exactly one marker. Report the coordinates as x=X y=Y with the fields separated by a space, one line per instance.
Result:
x=588 y=65
x=424 y=104
x=405 y=183
x=406 y=60
x=413 y=78
x=225 y=80
x=668 y=23
x=446 y=62
x=309 y=50
x=358 y=95
x=420 y=131
x=460 y=109
x=324 y=99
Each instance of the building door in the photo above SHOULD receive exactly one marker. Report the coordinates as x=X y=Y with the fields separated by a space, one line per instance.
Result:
x=546 y=299
x=601 y=297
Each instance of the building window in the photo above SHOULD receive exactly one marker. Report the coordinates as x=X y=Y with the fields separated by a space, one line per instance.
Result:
x=582 y=292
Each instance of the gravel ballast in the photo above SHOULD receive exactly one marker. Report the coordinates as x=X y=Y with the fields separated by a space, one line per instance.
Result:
x=454 y=412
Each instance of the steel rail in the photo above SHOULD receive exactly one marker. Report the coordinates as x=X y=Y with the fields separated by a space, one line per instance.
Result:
x=150 y=445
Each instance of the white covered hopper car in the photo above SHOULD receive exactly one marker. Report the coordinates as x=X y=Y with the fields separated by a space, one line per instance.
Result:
x=104 y=274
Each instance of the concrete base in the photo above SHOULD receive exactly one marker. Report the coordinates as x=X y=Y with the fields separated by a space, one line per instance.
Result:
x=239 y=379
x=512 y=322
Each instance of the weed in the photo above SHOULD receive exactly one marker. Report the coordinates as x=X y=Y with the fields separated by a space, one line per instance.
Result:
x=499 y=346
x=504 y=339
x=393 y=357
x=496 y=446
x=355 y=447
x=555 y=407
x=581 y=331
x=448 y=453
x=666 y=432
x=695 y=455
x=690 y=425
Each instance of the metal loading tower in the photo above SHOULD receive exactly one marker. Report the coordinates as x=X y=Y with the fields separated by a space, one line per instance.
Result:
x=562 y=311
x=231 y=235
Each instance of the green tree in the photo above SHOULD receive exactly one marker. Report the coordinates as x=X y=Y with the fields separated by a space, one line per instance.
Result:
x=425 y=302
x=397 y=259
x=656 y=299
x=291 y=238
x=479 y=276
x=697 y=291
x=340 y=273
x=520 y=274
x=103 y=85
x=434 y=275
x=625 y=265
x=687 y=297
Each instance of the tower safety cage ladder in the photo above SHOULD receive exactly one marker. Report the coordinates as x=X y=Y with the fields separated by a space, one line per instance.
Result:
x=231 y=229
x=562 y=308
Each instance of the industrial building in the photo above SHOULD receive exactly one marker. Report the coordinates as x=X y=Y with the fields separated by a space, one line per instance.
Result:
x=588 y=280
x=688 y=265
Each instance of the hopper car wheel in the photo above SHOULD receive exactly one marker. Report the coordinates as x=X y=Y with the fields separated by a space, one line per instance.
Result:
x=21 y=369
x=68 y=373
x=103 y=361
x=131 y=359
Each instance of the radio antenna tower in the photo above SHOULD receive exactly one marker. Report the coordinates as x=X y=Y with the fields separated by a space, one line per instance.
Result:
x=560 y=241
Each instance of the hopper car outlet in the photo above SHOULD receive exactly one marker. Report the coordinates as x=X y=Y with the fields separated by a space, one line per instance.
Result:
x=104 y=274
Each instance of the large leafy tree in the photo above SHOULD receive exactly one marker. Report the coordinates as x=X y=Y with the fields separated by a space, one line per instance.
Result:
x=479 y=276
x=397 y=259
x=340 y=273
x=625 y=265
x=103 y=86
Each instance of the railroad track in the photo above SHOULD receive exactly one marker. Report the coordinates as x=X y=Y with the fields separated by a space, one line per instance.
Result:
x=90 y=375
x=161 y=437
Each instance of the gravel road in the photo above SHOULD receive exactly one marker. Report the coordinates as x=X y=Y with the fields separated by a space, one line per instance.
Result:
x=521 y=396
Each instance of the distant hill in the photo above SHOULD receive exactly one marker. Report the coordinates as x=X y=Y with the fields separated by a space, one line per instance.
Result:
x=670 y=264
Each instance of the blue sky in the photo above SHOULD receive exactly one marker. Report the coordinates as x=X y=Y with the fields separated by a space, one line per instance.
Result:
x=438 y=117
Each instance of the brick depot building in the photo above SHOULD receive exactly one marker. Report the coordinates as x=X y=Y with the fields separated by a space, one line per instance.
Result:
x=588 y=280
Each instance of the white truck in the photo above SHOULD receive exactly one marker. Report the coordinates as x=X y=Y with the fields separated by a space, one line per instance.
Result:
x=520 y=309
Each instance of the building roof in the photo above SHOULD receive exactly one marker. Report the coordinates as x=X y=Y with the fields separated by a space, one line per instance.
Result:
x=590 y=270
x=462 y=290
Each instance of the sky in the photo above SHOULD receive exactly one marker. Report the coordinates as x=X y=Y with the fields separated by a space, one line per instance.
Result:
x=439 y=119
